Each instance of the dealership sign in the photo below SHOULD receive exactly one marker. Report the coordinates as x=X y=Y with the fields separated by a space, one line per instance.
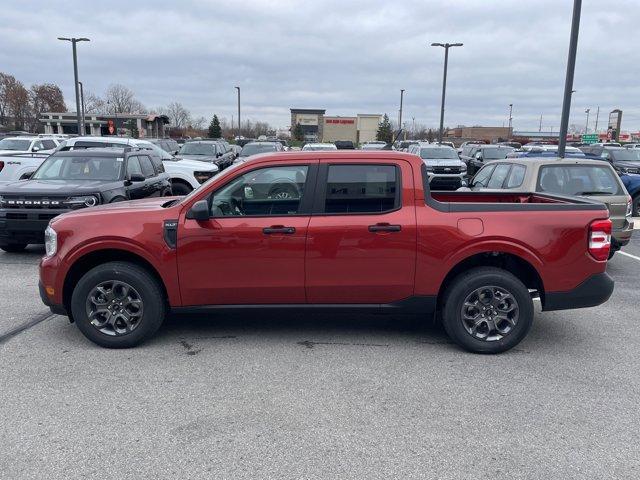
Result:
x=341 y=121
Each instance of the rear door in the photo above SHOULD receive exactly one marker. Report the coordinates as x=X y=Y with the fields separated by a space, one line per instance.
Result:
x=361 y=242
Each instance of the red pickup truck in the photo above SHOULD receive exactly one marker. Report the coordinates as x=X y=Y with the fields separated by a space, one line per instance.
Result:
x=333 y=231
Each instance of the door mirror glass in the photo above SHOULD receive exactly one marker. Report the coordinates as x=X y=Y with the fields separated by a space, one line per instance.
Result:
x=199 y=211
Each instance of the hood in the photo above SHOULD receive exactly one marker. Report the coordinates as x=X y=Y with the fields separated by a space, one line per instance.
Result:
x=195 y=164
x=200 y=158
x=448 y=162
x=9 y=152
x=128 y=208
x=57 y=187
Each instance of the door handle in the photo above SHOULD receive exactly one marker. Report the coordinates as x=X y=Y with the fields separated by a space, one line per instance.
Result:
x=279 y=229
x=384 y=227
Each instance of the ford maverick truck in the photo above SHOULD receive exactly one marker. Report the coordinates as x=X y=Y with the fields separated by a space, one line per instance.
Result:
x=330 y=231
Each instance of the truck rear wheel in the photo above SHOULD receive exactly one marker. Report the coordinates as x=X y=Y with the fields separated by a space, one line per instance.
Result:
x=118 y=305
x=487 y=310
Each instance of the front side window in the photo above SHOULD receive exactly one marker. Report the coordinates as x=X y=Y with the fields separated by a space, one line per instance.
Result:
x=48 y=144
x=79 y=168
x=147 y=166
x=499 y=175
x=482 y=177
x=133 y=167
x=362 y=189
x=578 y=180
x=270 y=191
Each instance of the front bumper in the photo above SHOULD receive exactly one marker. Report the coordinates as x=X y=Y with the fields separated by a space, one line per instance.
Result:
x=446 y=181
x=57 y=309
x=25 y=225
x=594 y=291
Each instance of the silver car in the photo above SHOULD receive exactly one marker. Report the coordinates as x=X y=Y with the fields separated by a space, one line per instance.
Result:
x=445 y=169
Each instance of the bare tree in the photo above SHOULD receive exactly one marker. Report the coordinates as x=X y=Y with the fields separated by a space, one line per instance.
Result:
x=179 y=116
x=198 y=123
x=121 y=99
x=94 y=104
x=46 y=97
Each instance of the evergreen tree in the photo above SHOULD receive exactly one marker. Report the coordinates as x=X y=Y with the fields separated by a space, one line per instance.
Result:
x=298 y=132
x=215 y=131
x=132 y=126
x=384 y=134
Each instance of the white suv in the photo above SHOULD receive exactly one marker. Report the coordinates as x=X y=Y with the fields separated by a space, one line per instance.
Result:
x=25 y=144
x=185 y=175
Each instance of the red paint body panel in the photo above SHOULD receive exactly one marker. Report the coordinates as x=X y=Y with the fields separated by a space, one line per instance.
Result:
x=330 y=258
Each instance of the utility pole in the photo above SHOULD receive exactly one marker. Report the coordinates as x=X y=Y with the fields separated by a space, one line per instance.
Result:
x=568 y=85
x=75 y=75
x=400 y=116
x=446 y=47
x=239 y=123
x=595 y=130
x=84 y=126
x=540 y=127
x=510 y=118
x=586 y=127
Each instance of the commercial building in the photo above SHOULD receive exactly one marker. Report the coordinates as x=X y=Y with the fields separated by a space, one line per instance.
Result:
x=149 y=126
x=488 y=134
x=311 y=121
x=340 y=128
x=368 y=126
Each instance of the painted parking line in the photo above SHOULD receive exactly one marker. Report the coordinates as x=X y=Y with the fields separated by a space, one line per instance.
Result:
x=635 y=257
x=636 y=223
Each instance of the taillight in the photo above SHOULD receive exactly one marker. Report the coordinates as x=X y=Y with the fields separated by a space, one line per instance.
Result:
x=1 y=165
x=628 y=213
x=600 y=239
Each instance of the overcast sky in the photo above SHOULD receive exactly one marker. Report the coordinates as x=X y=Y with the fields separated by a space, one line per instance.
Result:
x=347 y=56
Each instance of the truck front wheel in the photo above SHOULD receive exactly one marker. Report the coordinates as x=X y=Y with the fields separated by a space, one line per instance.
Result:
x=487 y=310
x=13 y=247
x=118 y=305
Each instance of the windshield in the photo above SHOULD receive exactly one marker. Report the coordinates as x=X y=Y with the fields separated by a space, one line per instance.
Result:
x=14 y=144
x=495 y=153
x=579 y=180
x=84 y=167
x=625 y=155
x=254 y=148
x=193 y=148
x=438 y=154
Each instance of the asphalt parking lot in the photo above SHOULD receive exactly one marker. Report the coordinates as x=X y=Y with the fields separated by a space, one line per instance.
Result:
x=319 y=396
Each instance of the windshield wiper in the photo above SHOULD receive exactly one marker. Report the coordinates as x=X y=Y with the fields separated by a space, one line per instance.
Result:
x=594 y=193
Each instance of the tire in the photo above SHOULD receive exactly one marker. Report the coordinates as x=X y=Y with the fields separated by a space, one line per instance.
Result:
x=636 y=206
x=506 y=290
x=111 y=277
x=612 y=252
x=118 y=199
x=13 y=247
x=179 y=189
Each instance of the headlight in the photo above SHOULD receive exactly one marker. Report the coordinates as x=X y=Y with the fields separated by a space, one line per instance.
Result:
x=429 y=169
x=50 y=242
x=83 y=201
x=202 y=177
x=463 y=168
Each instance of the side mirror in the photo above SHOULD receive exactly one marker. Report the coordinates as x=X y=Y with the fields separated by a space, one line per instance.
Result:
x=199 y=211
x=137 y=177
x=35 y=149
x=479 y=156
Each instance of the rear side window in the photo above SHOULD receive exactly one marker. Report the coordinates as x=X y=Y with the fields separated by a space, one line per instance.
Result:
x=499 y=175
x=579 y=180
x=147 y=166
x=516 y=177
x=362 y=189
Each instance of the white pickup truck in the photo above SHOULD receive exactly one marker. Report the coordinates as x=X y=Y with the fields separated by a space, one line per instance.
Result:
x=185 y=175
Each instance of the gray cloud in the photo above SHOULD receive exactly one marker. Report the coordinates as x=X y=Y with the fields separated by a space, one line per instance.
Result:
x=345 y=56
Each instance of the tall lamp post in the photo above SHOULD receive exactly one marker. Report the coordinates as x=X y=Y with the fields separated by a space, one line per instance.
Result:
x=239 y=123
x=84 y=126
x=510 y=118
x=400 y=117
x=586 y=127
x=446 y=47
x=568 y=84
x=75 y=75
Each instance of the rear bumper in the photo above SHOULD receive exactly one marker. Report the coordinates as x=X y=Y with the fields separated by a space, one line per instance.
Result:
x=594 y=291
x=621 y=236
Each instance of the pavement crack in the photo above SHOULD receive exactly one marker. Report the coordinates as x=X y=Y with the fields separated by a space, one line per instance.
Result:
x=32 y=322
x=189 y=348
x=311 y=344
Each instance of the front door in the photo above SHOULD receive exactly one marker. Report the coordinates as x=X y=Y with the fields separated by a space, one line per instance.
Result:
x=251 y=250
x=136 y=190
x=361 y=242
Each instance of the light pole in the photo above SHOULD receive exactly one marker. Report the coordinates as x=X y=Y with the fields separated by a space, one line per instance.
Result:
x=510 y=118
x=75 y=75
x=595 y=129
x=400 y=117
x=84 y=126
x=446 y=47
x=586 y=127
x=568 y=85
x=239 y=123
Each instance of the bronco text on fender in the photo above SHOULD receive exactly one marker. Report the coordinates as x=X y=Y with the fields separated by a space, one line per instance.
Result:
x=328 y=230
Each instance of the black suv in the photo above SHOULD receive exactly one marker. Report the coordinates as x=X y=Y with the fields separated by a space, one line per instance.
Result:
x=624 y=160
x=69 y=180
x=214 y=151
